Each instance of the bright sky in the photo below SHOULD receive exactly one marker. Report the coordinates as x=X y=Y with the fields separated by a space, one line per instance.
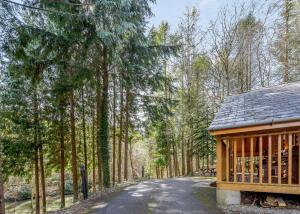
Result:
x=172 y=10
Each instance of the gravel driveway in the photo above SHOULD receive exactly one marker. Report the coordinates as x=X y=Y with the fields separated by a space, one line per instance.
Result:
x=180 y=195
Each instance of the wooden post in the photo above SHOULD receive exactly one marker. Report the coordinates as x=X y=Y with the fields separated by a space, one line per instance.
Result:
x=243 y=159
x=219 y=159
x=234 y=160
x=270 y=160
x=279 y=159
x=290 y=162
x=299 y=162
x=260 y=159
x=227 y=160
x=2 y=202
x=251 y=160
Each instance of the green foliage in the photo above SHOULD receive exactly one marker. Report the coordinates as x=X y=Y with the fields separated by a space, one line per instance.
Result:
x=68 y=187
x=25 y=192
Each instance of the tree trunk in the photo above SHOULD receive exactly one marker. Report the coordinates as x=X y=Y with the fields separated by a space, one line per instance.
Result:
x=114 y=134
x=207 y=161
x=197 y=161
x=62 y=159
x=98 y=99
x=36 y=151
x=43 y=184
x=175 y=160
x=157 y=172
x=188 y=166
x=121 y=135
x=84 y=135
x=2 y=204
x=126 y=135
x=36 y=181
x=191 y=157
x=104 y=122
x=93 y=152
x=131 y=161
x=182 y=155
x=73 y=145
x=170 y=161
x=33 y=188
x=286 y=77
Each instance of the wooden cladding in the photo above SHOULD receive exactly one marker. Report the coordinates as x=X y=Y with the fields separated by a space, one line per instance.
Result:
x=279 y=160
x=264 y=159
x=243 y=160
x=270 y=159
x=234 y=160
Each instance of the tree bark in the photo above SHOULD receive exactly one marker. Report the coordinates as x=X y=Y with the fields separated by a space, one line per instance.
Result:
x=73 y=145
x=188 y=166
x=93 y=152
x=62 y=158
x=191 y=157
x=84 y=134
x=197 y=161
x=175 y=160
x=36 y=150
x=170 y=167
x=126 y=135
x=157 y=172
x=98 y=100
x=207 y=155
x=121 y=135
x=43 y=183
x=131 y=161
x=36 y=181
x=182 y=155
x=286 y=77
x=104 y=122
x=114 y=134
x=2 y=204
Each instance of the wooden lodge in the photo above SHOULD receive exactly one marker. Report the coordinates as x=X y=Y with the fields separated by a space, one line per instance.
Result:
x=258 y=141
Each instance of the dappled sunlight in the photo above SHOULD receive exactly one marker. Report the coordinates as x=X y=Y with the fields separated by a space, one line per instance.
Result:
x=136 y=194
x=153 y=205
x=145 y=189
x=99 y=206
x=19 y=207
x=139 y=186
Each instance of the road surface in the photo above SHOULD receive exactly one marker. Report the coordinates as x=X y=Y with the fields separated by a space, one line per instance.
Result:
x=180 y=195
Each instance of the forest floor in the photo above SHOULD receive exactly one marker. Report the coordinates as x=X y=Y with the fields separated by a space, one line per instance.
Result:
x=25 y=207
x=178 y=195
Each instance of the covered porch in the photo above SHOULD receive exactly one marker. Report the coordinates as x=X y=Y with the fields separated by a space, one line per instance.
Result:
x=259 y=162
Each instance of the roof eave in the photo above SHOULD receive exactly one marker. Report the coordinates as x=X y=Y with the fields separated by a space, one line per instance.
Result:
x=270 y=123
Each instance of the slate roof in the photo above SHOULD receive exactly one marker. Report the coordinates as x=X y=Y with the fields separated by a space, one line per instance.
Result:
x=259 y=107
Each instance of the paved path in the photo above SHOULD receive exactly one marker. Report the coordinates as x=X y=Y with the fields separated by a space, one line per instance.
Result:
x=180 y=195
